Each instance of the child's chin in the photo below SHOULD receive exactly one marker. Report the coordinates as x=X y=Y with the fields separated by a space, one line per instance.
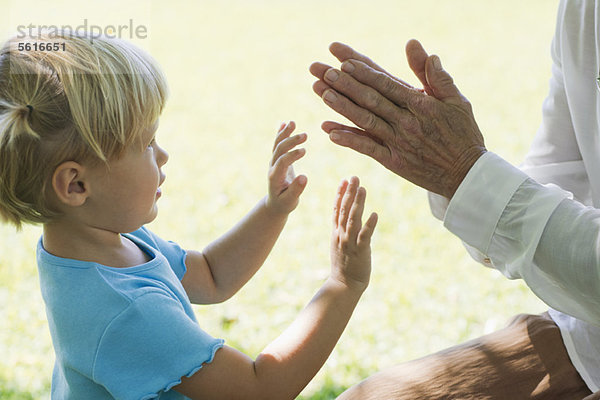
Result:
x=153 y=214
x=149 y=218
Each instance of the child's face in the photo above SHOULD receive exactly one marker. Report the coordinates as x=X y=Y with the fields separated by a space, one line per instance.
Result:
x=124 y=197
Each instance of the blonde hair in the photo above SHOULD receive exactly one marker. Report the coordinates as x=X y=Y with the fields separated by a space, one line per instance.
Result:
x=86 y=103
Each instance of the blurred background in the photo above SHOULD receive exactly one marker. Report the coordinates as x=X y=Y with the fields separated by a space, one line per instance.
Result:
x=236 y=69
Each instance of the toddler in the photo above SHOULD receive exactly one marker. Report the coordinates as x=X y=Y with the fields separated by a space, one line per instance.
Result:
x=79 y=155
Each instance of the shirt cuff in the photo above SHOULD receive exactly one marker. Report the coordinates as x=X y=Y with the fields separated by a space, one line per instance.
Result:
x=438 y=205
x=477 y=205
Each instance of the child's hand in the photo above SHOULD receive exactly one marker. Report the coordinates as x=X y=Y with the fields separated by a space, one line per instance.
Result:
x=284 y=186
x=350 y=241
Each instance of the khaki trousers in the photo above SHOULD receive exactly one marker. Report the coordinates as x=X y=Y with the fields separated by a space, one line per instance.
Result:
x=525 y=360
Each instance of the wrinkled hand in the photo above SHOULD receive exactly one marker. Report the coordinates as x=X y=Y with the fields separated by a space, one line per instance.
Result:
x=428 y=136
x=350 y=240
x=285 y=187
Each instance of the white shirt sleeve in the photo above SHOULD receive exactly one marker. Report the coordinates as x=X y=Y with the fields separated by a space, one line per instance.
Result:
x=556 y=141
x=438 y=205
x=554 y=155
x=534 y=232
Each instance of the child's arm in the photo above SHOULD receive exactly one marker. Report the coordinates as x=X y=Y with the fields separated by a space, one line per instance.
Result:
x=286 y=366
x=229 y=262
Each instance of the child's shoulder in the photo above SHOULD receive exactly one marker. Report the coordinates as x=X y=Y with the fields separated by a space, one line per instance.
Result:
x=174 y=254
x=85 y=288
x=149 y=238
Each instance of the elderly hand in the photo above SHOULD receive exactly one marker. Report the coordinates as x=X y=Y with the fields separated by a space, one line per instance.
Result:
x=428 y=136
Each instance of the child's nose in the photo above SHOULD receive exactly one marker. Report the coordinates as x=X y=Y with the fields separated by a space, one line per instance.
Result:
x=162 y=156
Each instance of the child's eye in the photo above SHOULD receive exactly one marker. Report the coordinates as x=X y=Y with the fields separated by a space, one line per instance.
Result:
x=152 y=142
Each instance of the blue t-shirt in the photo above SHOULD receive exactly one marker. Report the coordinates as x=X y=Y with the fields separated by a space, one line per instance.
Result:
x=123 y=333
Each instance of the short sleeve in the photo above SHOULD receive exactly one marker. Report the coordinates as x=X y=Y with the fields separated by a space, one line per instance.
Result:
x=174 y=254
x=149 y=346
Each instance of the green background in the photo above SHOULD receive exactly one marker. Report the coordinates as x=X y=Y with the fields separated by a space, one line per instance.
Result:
x=236 y=69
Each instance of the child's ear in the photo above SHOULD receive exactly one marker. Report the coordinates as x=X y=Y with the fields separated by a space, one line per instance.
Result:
x=69 y=184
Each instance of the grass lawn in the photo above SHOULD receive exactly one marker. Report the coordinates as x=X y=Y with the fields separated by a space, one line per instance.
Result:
x=236 y=70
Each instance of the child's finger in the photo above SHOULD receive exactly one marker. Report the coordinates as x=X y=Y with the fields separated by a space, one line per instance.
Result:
x=280 y=168
x=365 y=234
x=286 y=145
x=286 y=160
x=285 y=125
x=347 y=201
x=355 y=216
x=284 y=133
x=295 y=189
x=338 y=201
